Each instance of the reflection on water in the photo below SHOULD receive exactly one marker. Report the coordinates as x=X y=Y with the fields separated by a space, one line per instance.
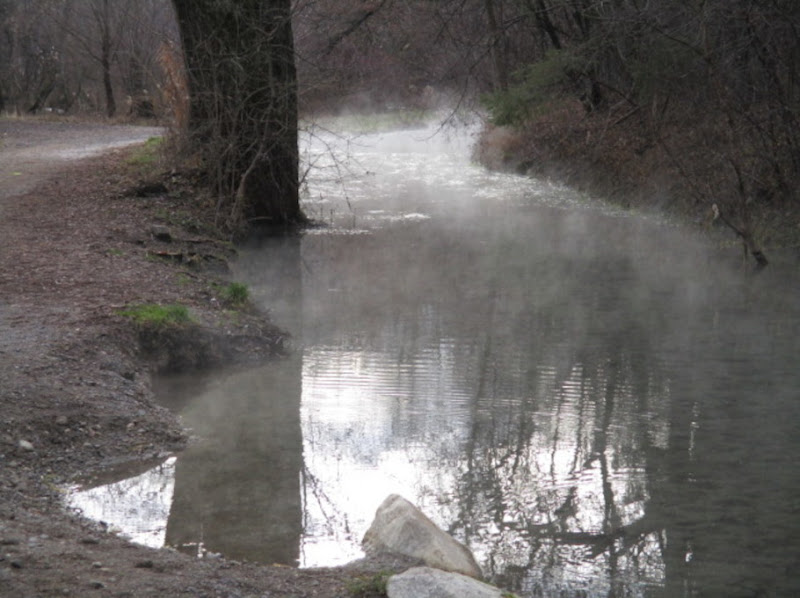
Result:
x=596 y=405
x=238 y=491
x=137 y=507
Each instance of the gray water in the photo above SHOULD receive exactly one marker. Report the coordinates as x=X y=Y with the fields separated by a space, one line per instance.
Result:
x=596 y=403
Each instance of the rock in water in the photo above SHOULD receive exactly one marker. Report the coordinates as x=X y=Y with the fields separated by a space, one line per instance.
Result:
x=401 y=528
x=424 y=582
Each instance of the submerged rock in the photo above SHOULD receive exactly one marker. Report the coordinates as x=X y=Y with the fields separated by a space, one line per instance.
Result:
x=401 y=528
x=425 y=582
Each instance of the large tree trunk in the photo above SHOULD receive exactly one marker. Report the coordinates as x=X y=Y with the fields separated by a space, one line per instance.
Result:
x=243 y=105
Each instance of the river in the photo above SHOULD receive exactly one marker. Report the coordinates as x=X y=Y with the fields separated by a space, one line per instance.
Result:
x=597 y=403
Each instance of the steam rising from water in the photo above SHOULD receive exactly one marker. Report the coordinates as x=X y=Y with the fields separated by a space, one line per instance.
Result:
x=592 y=402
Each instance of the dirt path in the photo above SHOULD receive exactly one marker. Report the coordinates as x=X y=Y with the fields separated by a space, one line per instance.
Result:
x=32 y=151
x=75 y=387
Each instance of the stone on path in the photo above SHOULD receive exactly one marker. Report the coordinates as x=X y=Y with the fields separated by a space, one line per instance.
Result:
x=161 y=233
x=401 y=528
x=424 y=582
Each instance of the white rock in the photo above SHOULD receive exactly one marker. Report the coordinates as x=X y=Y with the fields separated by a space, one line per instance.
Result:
x=25 y=445
x=401 y=528
x=424 y=582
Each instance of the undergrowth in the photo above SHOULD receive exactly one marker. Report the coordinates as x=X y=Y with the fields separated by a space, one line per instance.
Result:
x=237 y=293
x=369 y=586
x=187 y=221
x=147 y=154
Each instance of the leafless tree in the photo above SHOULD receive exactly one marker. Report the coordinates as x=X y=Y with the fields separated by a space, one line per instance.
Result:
x=96 y=26
x=79 y=55
x=28 y=57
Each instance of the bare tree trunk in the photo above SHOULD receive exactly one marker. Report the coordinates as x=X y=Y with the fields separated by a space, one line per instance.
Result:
x=743 y=232
x=41 y=97
x=497 y=45
x=111 y=104
x=105 y=58
x=243 y=105
x=541 y=13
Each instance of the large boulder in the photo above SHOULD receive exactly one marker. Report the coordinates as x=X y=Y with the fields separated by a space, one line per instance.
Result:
x=424 y=582
x=401 y=528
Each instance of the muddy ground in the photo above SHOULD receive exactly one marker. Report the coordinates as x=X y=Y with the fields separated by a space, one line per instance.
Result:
x=79 y=242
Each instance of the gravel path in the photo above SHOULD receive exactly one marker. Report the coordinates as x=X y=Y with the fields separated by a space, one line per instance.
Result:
x=32 y=150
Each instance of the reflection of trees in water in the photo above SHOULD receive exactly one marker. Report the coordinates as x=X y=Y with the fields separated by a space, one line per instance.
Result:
x=629 y=421
x=330 y=516
x=599 y=467
x=237 y=491
x=563 y=486
x=554 y=486
x=138 y=506
x=566 y=391
x=728 y=484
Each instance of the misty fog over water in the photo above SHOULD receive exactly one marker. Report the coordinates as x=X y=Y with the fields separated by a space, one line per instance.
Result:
x=592 y=401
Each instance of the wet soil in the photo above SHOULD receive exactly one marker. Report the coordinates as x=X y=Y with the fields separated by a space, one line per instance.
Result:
x=81 y=240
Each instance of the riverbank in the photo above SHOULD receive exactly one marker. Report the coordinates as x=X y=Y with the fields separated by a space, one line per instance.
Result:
x=82 y=242
x=621 y=157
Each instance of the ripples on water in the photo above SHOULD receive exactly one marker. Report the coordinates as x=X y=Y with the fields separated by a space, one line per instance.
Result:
x=596 y=404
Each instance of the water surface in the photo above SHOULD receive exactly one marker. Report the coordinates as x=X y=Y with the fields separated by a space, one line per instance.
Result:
x=597 y=404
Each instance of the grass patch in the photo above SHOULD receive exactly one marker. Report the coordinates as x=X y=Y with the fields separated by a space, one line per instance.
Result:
x=153 y=314
x=236 y=293
x=369 y=586
x=147 y=154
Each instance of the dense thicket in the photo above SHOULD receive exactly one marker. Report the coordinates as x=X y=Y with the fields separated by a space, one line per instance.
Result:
x=708 y=87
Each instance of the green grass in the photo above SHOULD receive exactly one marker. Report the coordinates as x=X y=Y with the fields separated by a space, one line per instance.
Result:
x=147 y=154
x=153 y=314
x=236 y=293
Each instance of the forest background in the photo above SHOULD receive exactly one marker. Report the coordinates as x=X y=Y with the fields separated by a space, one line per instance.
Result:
x=689 y=106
